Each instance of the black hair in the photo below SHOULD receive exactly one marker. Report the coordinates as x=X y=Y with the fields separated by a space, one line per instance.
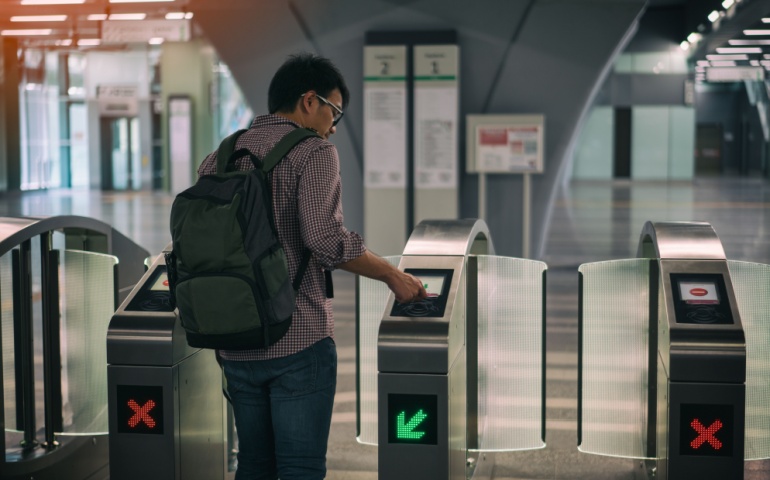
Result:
x=300 y=73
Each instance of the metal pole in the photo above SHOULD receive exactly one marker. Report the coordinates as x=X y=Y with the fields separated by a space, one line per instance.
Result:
x=49 y=266
x=526 y=218
x=24 y=354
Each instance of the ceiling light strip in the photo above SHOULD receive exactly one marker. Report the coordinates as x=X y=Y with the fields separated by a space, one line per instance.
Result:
x=25 y=32
x=39 y=18
x=52 y=2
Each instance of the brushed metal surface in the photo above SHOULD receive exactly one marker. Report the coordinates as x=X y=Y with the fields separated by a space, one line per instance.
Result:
x=423 y=344
x=143 y=337
x=680 y=240
x=450 y=237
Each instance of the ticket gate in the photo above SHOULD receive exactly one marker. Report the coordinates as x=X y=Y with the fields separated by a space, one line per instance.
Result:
x=166 y=415
x=445 y=381
x=663 y=357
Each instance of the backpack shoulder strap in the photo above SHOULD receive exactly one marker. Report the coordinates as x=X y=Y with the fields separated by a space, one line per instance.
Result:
x=226 y=149
x=284 y=146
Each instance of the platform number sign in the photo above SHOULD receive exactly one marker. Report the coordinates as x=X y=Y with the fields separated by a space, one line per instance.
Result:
x=412 y=419
x=706 y=430
x=140 y=409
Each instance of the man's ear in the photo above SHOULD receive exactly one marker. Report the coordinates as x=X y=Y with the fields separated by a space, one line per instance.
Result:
x=306 y=101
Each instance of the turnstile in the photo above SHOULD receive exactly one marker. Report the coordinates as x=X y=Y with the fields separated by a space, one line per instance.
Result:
x=663 y=357
x=166 y=407
x=457 y=375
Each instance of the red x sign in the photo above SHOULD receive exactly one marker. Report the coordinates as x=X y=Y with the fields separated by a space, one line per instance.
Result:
x=141 y=413
x=706 y=435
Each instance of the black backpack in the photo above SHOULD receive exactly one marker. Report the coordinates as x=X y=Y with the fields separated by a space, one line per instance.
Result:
x=227 y=270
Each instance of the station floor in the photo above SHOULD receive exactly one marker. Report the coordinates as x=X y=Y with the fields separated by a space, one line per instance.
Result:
x=592 y=221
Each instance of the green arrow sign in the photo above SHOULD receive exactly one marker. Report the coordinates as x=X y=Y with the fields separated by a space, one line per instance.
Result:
x=406 y=430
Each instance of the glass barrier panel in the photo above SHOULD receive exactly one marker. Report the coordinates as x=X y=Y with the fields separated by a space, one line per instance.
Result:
x=6 y=319
x=751 y=282
x=87 y=289
x=510 y=353
x=615 y=356
x=372 y=296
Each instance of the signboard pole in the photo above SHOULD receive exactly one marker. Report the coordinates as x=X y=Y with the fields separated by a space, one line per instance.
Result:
x=527 y=208
x=483 y=196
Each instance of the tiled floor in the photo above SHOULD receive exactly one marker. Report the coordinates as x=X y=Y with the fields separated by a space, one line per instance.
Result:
x=590 y=222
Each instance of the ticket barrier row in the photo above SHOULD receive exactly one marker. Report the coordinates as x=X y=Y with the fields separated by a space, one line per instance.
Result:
x=672 y=356
x=444 y=383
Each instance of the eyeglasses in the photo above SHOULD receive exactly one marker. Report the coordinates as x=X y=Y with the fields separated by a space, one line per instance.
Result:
x=338 y=111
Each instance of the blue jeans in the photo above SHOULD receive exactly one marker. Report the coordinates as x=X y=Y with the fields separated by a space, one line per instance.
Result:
x=283 y=413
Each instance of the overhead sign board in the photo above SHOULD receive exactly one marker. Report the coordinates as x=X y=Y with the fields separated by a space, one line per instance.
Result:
x=118 y=100
x=126 y=31
x=734 y=74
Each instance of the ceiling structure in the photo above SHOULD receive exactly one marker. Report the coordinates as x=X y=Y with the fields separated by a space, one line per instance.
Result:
x=717 y=34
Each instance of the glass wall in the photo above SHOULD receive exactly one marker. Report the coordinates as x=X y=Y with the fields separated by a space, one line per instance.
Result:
x=69 y=113
x=660 y=135
x=232 y=111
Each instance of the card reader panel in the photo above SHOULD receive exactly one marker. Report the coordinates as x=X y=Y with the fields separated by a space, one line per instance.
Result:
x=154 y=294
x=701 y=298
x=436 y=282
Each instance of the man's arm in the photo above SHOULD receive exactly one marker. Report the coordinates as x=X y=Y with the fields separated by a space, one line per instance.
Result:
x=406 y=287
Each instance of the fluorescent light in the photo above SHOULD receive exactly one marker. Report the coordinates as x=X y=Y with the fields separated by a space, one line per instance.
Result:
x=749 y=42
x=694 y=37
x=39 y=18
x=722 y=64
x=89 y=42
x=727 y=4
x=713 y=16
x=51 y=2
x=63 y=43
x=128 y=16
x=685 y=45
x=97 y=16
x=156 y=40
x=739 y=50
x=175 y=16
x=727 y=57
x=188 y=15
x=705 y=63
x=139 y=1
x=766 y=20
x=39 y=31
x=754 y=63
x=756 y=32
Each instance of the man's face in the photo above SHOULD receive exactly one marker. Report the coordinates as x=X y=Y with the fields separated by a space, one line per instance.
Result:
x=321 y=114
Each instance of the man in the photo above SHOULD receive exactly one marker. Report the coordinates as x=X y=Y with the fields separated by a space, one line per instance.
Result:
x=283 y=395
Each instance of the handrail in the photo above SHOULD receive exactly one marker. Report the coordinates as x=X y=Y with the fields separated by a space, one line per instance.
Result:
x=16 y=235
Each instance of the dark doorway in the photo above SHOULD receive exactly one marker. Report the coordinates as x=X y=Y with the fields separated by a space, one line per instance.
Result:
x=121 y=162
x=708 y=149
x=622 y=165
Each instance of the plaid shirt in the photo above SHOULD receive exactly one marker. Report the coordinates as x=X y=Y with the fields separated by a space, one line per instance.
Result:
x=306 y=188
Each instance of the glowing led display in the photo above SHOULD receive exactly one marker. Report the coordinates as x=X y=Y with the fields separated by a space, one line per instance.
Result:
x=412 y=419
x=140 y=409
x=706 y=430
x=406 y=430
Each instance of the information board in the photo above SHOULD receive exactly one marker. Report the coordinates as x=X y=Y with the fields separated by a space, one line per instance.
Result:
x=505 y=143
x=385 y=116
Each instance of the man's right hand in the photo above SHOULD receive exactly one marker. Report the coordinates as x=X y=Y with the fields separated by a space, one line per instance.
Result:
x=407 y=288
